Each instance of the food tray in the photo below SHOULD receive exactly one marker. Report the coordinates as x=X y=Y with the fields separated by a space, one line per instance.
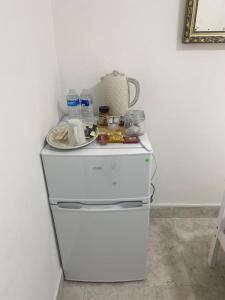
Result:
x=65 y=145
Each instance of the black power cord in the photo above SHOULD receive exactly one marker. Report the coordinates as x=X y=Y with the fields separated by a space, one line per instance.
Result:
x=153 y=175
x=153 y=192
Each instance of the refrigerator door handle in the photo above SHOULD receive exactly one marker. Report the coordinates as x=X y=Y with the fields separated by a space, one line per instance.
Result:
x=118 y=205
x=69 y=205
x=131 y=204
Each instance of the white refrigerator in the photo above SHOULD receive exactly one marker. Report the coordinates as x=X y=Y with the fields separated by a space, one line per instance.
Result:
x=100 y=202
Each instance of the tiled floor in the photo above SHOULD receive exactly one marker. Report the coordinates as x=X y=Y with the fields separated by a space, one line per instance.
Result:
x=177 y=267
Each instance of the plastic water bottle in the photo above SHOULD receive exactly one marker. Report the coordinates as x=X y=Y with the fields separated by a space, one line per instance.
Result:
x=73 y=104
x=87 y=107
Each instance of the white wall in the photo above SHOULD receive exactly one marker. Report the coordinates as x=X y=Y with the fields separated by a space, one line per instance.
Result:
x=28 y=93
x=182 y=86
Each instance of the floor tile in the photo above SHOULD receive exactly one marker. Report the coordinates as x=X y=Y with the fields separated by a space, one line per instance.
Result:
x=194 y=238
x=120 y=291
x=210 y=293
x=165 y=261
x=175 y=293
x=194 y=230
x=162 y=233
x=73 y=291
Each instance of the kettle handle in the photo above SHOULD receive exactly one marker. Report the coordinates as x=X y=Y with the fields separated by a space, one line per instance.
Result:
x=137 y=91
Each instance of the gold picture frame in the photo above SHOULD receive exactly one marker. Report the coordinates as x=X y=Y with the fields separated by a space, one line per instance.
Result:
x=191 y=35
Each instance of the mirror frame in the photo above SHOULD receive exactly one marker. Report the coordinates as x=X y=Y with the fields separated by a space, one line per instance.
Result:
x=192 y=36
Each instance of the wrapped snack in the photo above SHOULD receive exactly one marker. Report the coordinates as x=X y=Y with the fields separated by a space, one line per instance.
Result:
x=62 y=134
x=90 y=131
x=115 y=137
x=131 y=139
x=102 y=138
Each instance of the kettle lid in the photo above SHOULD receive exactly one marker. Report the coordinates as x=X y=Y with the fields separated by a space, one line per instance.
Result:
x=115 y=73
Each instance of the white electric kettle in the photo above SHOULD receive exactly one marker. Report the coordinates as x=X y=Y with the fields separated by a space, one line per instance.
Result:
x=117 y=92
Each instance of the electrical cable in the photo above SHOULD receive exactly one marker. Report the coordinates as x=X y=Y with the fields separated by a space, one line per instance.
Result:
x=153 y=192
x=153 y=175
x=156 y=167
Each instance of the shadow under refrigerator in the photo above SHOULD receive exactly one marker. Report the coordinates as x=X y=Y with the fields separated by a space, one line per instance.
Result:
x=100 y=202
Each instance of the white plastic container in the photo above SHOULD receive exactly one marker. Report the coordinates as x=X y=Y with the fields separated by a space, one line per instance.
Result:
x=86 y=107
x=73 y=104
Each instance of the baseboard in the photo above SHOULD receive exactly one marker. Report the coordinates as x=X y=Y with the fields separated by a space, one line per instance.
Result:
x=59 y=286
x=179 y=210
x=173 y=204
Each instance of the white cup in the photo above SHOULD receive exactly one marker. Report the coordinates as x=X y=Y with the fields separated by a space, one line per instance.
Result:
x=76 y=134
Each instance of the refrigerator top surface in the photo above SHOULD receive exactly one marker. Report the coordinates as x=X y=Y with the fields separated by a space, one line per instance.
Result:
x=144 y=147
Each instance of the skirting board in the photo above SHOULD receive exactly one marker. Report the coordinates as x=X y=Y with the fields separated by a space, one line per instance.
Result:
x=184 y=211
x=173 y=204
x=59 y=286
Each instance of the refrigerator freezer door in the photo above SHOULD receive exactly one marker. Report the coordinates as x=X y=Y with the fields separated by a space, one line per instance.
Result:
x=102 y=243
x=97 y=177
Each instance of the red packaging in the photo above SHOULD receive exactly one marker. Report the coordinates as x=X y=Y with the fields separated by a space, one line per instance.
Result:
x=103 y=138
x=131 y=140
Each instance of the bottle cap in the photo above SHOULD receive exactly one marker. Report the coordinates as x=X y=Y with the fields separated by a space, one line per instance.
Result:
x=85 y=91
x=72 y=91
x=103 y=109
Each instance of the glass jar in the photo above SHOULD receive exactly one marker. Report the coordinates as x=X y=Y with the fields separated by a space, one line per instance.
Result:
x=103 y=115
x=134 y=122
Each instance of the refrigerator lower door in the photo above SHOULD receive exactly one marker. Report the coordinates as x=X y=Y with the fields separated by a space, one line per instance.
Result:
x=102 y=243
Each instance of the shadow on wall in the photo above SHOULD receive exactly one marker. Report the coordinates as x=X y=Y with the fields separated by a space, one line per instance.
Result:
x=98 y=96
x=180 y=28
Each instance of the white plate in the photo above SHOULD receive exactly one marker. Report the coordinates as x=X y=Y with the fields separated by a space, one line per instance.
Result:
x=65 y=145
